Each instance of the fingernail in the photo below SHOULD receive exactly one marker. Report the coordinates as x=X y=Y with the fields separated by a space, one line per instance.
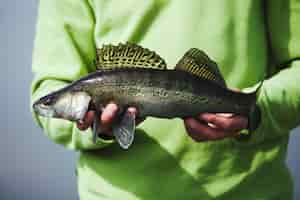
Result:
x=211 y=125
x=132 y=111
x=225 y=114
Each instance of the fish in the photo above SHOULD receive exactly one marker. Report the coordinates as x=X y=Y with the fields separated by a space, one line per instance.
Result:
x=133 y=76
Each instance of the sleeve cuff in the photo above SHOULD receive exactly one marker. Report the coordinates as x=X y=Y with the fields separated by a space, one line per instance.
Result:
x=255 y=133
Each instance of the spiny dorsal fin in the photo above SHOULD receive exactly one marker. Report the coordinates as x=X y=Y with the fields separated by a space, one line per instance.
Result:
x=199 y=64
x=127 y=56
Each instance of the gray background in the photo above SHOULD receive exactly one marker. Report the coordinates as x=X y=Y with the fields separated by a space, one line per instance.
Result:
x=31 y=166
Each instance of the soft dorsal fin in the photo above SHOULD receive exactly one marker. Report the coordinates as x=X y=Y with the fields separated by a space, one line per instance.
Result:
x=127 y=56
x=199 y=64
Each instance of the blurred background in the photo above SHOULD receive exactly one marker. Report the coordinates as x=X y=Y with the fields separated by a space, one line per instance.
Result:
x=31 y=166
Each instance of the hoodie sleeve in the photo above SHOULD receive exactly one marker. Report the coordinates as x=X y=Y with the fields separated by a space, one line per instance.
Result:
x=64 y=50
x=279 y=99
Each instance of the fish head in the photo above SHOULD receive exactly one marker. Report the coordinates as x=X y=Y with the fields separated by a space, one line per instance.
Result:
x=71 y=105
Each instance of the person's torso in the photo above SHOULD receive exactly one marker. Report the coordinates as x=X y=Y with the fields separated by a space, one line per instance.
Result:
x=164 y=162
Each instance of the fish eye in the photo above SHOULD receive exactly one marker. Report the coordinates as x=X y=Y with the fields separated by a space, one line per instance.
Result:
x=48 y=101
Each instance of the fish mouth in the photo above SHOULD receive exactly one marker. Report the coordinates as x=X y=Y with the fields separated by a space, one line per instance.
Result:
x=43 y=110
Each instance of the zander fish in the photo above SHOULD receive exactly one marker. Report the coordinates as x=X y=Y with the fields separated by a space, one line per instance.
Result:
x=131 y=75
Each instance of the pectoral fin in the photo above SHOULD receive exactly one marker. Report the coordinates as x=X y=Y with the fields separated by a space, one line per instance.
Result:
x=124 y=130
x=95 y=127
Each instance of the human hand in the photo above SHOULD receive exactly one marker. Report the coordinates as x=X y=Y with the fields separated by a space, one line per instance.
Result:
x=108 y=116
x=209 y=126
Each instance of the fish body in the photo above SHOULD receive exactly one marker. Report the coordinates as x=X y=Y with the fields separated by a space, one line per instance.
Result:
x=194 y=86
x=163 y=94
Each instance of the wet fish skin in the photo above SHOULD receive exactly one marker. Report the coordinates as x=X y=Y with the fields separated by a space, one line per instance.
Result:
x=164 y=94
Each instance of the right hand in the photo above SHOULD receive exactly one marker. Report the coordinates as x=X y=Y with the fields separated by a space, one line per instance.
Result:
x=215 y=126
x=108 y=115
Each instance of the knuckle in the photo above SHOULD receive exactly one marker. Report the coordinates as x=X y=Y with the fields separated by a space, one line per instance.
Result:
x=113 y=107
x=213 y=118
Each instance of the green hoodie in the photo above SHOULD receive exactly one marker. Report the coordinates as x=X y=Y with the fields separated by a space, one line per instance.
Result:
x=249 y=40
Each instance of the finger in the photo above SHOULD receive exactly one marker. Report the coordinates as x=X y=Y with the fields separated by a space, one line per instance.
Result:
x=202 y=132
x=235 y=123
x=87 y=121
x=134 y=111
x=108 y=115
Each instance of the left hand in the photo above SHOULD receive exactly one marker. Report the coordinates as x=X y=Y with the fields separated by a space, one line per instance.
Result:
x=209 y=126
x=108 y=115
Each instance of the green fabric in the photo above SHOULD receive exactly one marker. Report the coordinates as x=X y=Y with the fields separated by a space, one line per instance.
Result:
x=248 y=39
